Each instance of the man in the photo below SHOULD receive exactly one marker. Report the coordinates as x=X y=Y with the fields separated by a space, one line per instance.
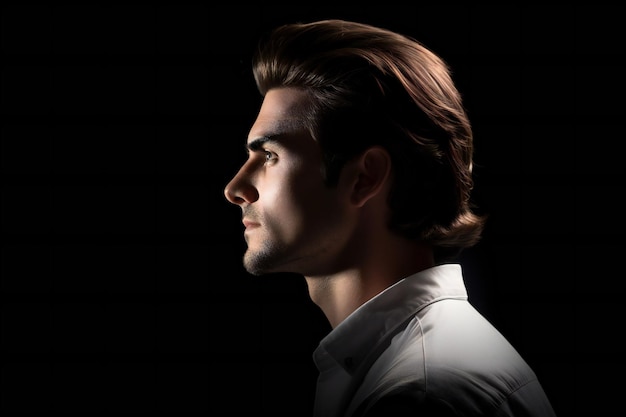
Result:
x=359 y=177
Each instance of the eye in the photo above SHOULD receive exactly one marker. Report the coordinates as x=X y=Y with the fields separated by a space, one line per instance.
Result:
x=270 y=156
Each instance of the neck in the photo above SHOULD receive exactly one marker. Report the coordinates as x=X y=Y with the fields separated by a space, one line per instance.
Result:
x=341 y=293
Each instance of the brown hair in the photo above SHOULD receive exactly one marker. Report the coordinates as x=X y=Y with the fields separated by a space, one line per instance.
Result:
x=371 y=86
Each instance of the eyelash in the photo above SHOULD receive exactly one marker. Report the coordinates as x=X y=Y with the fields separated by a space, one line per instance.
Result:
x=270 y=157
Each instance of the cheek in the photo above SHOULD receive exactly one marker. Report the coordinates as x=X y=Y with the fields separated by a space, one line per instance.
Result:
x=298 y=200
x=287 y=205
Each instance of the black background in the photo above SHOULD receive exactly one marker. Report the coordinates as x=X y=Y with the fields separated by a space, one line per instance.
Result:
x=122 y=285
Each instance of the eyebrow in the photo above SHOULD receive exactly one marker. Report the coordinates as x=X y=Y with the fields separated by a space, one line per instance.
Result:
x=257 y=144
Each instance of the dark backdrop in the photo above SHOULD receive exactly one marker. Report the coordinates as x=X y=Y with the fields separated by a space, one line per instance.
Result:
x=122 y=285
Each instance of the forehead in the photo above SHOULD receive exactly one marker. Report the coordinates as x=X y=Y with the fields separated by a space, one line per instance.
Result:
x=281 y=112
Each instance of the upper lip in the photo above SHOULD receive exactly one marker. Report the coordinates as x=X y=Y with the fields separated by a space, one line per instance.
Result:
x=248 y=223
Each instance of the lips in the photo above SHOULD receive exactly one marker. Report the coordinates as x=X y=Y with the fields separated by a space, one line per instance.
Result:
x=249 y=224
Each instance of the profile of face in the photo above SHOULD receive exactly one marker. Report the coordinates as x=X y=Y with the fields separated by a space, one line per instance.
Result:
x=293 y=221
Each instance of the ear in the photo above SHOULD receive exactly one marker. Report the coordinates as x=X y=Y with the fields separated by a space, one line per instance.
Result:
x=370 y=173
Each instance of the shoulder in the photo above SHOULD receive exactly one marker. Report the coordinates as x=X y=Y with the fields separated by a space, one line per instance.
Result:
x=442 y=368
x=406 y=401
x=409 y=400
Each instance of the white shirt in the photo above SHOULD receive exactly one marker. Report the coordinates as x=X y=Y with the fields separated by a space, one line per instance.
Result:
x=422 y=333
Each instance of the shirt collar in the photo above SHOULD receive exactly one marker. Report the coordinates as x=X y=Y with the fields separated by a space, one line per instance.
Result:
x=362 y=332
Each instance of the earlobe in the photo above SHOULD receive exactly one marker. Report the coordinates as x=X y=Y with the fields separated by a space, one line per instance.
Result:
x=372 y=171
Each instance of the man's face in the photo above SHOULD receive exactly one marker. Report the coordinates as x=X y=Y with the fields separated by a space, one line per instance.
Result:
x=293 y=221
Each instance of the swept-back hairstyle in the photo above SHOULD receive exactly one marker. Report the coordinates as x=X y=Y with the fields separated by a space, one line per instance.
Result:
x=371 y=86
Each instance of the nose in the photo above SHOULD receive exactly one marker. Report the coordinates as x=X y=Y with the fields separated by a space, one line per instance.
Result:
x=240 y=190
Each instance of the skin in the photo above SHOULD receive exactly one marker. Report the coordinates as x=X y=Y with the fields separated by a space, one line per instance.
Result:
x=336 y=237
